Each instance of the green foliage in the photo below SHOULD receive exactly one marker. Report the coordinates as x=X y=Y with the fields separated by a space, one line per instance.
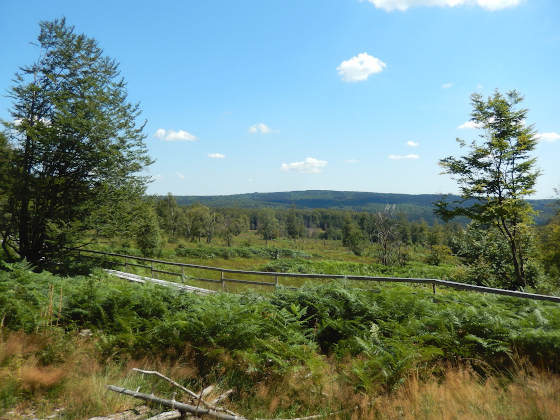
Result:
x=77 y=148
x=488 y=259
x=549 y=247
x=209 y=252
x=439 y=254
x=255 y=337
x=268 y=224
x=352 y=237
x=148 y=235
x=495 y=176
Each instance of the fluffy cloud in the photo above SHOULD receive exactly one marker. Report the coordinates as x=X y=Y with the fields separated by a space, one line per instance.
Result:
x=411 y=144
x=216 y=156
x=469 y=125
x=352 y=160
x=260 y=128
x=402 y=5
x=397 y=157
x=548 y=136
x=359 y=68
x=157 y=177
x=308 y=166
x=180 y=175
x=446 y=85
x=172 y=135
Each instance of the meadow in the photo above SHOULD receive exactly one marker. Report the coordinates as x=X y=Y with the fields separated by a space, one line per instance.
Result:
x=387 y=351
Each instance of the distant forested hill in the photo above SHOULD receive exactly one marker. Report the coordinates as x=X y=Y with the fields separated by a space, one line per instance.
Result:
x=415 y=206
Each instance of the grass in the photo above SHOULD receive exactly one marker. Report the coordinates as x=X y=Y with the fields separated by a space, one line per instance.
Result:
x=77 y=385
x=394 y=350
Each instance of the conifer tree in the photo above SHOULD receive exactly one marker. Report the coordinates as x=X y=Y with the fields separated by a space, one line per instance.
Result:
x=77 y=146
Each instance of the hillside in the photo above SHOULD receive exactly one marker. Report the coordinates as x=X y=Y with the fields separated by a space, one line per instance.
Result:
x=415 y=206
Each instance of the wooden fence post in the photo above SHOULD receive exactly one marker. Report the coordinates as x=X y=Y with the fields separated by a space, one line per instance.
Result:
x=224 y=288
x=434 y=287
x=126 y=264
x=153 y=270
x=277 y=283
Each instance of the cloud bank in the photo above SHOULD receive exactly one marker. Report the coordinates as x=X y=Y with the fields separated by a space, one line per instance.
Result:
x=308 y=166
x=216 y=156
x=360 y=68
x=402 y=5
x=172 y=135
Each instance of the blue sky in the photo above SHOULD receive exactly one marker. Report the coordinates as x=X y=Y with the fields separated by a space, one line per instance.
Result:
x=264 y=96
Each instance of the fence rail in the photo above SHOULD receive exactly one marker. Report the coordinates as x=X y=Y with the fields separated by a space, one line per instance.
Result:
x=129 y=262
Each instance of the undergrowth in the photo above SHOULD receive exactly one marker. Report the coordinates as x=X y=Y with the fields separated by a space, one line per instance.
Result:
x=323 y=347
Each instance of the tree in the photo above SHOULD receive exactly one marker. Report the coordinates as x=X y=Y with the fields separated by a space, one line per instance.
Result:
x=232 y=227
x=294 y=224
x=148 y=234
x=268 y=224
x=171 y=216
x=199 y=220
x=77 y=146
x=497 y=174
x=352 y=236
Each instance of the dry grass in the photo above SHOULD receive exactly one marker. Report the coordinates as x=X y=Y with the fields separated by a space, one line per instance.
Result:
x=462 y=394
x=77 y=383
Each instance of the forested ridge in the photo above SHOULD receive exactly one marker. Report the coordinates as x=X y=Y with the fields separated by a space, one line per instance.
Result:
x=415 y=206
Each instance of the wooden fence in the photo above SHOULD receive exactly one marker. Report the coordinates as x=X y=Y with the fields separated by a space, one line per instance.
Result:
x=132 y=261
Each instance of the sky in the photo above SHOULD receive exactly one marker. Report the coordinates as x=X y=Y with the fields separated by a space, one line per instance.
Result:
x=348 y=95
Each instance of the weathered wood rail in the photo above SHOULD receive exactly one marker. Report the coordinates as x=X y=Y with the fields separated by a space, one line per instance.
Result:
x=132 y=261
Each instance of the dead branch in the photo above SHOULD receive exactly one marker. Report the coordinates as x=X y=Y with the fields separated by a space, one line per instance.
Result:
x=168 y=415
x=211 y=405
x=176 y=405
x=171 y=381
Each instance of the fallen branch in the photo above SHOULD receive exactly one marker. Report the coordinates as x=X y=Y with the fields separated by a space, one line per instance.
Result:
x=168 y=415
x=171 y=381
x=212 y=405
x=176 y=405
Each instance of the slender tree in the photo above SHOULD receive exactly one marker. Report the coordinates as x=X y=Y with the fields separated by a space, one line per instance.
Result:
x=77 y=146
x=496 y=175
x=268 y=224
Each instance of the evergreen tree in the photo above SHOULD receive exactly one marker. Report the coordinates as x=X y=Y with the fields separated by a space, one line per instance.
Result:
x=77 y=146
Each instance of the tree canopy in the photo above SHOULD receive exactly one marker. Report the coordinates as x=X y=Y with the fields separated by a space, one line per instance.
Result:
x=77 y=153
x=496 y=174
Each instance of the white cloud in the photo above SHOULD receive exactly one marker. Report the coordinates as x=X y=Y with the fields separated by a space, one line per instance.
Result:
x=308 y=166
x=402 y=5
x=172 y=135
x=157 y=177
x=397 y=157
x=548 y=136
x=260 y=128
x=411 y=144
x=469 y=125
x=479 y=86
x=180 y=175
x=446 y=85
x=352 y=160
x=216 y=156
x=359 y=68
